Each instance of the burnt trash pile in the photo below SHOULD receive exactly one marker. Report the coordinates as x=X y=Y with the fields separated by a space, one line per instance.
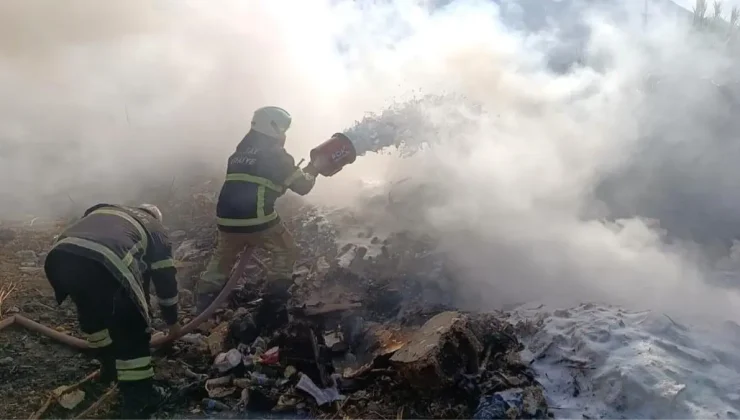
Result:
x=372 y=331
x=319 y=365
x=454 y=364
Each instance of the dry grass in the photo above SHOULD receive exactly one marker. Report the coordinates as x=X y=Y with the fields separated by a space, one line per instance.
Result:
x=6 y=290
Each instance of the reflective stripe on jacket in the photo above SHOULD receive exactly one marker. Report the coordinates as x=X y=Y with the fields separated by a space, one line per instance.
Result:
x=133 y=246
x=258 y=173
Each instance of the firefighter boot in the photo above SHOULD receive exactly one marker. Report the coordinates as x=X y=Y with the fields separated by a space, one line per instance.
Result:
x=273 y=312
x=141 y=399
x=107 y=360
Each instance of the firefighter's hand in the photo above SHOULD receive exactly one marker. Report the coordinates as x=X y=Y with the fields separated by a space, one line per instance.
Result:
x=174 y=330
x=311 y=170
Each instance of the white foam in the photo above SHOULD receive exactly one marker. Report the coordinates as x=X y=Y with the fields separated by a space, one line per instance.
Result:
x=606 y=362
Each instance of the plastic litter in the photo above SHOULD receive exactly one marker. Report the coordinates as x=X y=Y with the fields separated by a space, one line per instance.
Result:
x=216 y=339
x=286 y=403
x=271 y=356
x=228 y=360
x=258 y=346
x=243 y=382
x=210 y=404
x=192 y=375
x=71 y=399
x=491 y=407
x=345 y=259
x=332 y=338
x=196 y=339
x=322 y=396
x=525 y=401
x=289 y=372
x=241 y=405
x=219 y=387
x=248 y=360
x=260 y=379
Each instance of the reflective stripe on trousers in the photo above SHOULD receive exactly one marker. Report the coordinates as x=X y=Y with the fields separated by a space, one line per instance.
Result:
x=99 y=339
x=158 y=265
x=277 y=240
x=135 y=369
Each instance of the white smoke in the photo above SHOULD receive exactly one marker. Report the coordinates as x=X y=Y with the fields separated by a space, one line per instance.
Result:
x=101 y=99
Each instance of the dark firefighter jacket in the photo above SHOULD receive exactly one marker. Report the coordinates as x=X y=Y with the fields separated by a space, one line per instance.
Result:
x=259 y=171
x=134 y=246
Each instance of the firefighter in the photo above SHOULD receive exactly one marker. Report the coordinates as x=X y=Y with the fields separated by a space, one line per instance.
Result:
x=105 y=262
x=259 y=171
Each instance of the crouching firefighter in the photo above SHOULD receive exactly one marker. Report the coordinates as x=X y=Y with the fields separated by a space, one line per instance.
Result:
x=257 y=174
x=105 y=262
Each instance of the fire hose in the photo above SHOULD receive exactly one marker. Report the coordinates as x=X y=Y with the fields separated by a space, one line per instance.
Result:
x=156 y=341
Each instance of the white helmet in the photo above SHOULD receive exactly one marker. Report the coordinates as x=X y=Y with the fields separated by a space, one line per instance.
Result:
x=271 y=121
x=153 y=210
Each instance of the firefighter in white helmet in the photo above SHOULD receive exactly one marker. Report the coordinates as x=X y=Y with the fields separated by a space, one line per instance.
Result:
x=258 y=173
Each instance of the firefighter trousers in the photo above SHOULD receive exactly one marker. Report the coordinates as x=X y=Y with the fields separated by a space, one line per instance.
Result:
x=277 y=240
x=108 y=317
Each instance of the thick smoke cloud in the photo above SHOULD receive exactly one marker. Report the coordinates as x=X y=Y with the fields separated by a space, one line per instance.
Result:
x=541 y=184
x=101 y=99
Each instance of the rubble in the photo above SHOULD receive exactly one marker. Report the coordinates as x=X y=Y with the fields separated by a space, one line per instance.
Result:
x=321 y=396
x=220 y=387
x=227 y=361
x=71 y=399
x=441 y=350
x=528 y=403
x=216 y=339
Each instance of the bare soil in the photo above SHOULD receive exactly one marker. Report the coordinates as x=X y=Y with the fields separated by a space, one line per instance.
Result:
x=32 y=365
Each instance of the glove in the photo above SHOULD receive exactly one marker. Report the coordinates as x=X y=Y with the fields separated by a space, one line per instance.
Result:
x=311 y=170
x=174 y=330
